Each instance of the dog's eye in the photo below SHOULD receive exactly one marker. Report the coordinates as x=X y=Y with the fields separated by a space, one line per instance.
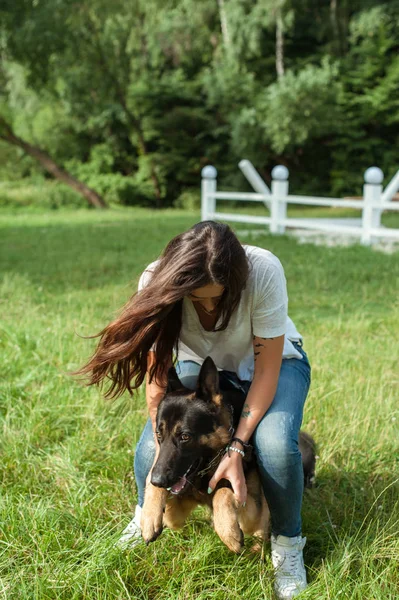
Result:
x=184 y=437
x=158 y=434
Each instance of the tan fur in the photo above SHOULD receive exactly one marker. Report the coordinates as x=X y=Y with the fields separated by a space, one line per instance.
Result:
x=215 y=440
x=176 y=429
x=230 y=520
x=254 y=518
x=225 y=519
x=151 y=522
x=177 y=510
x=217 y=399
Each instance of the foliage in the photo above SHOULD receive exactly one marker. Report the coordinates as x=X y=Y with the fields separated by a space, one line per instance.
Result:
x=190 y=199
x=37 y=193
x=300 y=106
x=368 y=100
x=135 y=97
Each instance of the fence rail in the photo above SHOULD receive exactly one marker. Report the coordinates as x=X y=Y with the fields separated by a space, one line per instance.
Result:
x=374 y=201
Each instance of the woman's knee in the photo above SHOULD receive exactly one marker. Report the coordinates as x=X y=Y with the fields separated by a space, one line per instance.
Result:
x=145 y=451
x=276 y=440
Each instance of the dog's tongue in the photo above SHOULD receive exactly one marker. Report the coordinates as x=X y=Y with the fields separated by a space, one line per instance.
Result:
x=177 y=487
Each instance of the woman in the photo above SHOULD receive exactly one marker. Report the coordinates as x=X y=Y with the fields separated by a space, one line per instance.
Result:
x=208 y=295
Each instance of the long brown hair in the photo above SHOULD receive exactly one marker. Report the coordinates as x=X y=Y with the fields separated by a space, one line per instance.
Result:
x=208 y=253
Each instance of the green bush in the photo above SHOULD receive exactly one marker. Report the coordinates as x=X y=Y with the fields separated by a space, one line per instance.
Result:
x=190 y=199
x=41 y=195
x=119 y=189
x=116 y=188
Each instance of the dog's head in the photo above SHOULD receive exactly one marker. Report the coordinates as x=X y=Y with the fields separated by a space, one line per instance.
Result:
x=192 y=427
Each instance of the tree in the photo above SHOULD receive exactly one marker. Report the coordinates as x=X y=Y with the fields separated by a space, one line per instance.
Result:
x=134 y=97
x=7 y=135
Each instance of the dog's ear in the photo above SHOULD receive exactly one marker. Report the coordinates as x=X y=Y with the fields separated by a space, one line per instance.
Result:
x=208 y=381
x=174 y=382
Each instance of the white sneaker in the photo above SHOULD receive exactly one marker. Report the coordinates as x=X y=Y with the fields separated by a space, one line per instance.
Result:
x=131 y=535
x=287 y=559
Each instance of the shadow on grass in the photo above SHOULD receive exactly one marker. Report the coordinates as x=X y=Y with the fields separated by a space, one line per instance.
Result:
x=348 y=508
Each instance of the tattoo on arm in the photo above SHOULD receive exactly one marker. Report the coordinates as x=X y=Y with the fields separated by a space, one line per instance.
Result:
x=246 y=411
x=257 y=346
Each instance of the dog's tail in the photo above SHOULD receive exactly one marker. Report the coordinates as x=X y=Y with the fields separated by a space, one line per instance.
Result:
x=307 y=446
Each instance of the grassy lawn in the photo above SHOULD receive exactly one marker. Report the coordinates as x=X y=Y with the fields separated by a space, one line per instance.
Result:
x=67 y=488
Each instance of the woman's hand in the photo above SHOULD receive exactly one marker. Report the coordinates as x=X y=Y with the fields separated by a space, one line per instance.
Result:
x=231 y=468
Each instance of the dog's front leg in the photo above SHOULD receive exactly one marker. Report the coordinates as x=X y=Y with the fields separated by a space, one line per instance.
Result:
x=225 y=519
x=152 y=512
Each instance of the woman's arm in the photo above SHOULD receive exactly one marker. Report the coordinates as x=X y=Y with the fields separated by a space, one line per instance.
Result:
x=155 y=390
x=268 y=356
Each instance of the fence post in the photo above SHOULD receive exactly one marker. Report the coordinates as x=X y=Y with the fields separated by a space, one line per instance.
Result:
x=391 y=189
x=372 y=191
x=278 y=207
x=208 y=186
x=255 y=179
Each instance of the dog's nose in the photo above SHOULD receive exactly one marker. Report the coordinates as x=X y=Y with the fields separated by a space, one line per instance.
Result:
x=158 y=479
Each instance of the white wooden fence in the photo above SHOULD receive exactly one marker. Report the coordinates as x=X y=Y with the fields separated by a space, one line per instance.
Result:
x=369 y=229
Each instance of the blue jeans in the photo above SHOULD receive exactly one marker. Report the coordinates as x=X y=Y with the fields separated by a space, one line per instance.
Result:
x=275 y=441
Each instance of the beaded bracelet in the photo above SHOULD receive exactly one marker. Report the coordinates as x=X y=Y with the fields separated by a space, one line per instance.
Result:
x=235 y=450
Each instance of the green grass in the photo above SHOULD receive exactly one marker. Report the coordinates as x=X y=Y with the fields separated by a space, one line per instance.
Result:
x=67 y=488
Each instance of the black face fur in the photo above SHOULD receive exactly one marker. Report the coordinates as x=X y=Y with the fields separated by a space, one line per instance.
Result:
x=191 y=429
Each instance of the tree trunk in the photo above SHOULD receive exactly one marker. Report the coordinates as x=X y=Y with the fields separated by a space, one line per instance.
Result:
x=279 y=44
x=224 y=26
x=50 y=166
x=135 y=124
x=334 y=26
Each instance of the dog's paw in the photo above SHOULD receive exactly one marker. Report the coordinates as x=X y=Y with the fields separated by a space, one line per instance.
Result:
x=234 y=539
x=151 y=528
x=257 y=546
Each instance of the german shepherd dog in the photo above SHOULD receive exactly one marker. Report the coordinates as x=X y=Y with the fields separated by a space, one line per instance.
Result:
x=193 y=430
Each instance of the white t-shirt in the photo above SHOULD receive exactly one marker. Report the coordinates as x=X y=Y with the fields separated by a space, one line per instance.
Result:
x=262 y=311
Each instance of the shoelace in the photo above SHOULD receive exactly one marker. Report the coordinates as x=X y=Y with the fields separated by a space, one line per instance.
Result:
x=291 y=559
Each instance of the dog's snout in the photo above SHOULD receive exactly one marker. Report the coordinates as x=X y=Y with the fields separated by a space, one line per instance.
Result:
x=158 y=478
x=162 y=476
